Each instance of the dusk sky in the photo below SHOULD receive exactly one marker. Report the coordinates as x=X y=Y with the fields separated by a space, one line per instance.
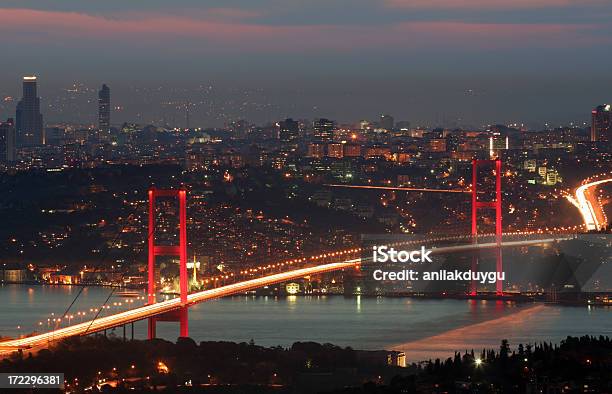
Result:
x=434 y=62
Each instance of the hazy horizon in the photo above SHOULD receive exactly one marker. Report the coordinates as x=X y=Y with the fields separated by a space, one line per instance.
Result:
x=438 y=62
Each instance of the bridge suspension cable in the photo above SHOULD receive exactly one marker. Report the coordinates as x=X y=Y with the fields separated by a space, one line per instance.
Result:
x=408 y=189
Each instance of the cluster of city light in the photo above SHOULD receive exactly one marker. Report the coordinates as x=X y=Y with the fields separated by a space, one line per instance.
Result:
x=264 y=268
x=110 y=378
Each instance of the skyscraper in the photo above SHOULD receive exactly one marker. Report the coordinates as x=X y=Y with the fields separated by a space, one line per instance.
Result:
x=7 y=141
x=104 y=111
x=29 y=120
x=324 y=130
x=386 y=122
x=288 y=130
x=601 y=125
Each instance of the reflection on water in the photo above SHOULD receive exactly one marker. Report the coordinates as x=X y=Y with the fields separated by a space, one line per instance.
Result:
x=516 y=327
x=422 y=328
x=534 y=324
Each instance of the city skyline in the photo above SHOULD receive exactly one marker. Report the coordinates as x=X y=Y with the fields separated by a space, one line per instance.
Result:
x=81 y=104
x=432 y=63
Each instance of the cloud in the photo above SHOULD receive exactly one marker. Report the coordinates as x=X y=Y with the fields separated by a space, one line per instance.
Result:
x=231 y=30
x=485 y=4
x=499 y=35
x=232 y=13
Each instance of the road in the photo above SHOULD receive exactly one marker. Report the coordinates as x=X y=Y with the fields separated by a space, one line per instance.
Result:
x=40 y=341
x=585 y=200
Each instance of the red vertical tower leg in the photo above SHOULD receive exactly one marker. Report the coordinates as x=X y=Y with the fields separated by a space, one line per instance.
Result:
x=497 y=205
x=183 y=262
x=151 y=239
x=498 y=226
x=183 y=245
x=473 y=285
x=152 y=329
x=180 y=251
x=184 y=322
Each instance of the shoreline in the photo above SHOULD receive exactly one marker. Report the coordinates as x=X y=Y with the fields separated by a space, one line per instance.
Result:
x=510 y=297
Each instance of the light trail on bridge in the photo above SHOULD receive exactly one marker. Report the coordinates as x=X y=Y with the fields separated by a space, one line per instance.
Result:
x=43 y=340
x=586 y=204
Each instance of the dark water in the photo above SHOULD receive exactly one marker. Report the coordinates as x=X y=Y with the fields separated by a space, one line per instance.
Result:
x=422 y=328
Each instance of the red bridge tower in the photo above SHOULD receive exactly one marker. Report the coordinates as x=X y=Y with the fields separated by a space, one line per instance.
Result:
x=497 y=205
x=180 y=250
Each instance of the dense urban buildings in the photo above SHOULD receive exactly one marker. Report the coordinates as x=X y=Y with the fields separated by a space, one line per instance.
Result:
x=7 y=141
x=29 y=120
x=268 y=166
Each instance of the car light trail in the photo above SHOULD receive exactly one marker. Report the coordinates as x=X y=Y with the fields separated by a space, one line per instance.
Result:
x=586 y=206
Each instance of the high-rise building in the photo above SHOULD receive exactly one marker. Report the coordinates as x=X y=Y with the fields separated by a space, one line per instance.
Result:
x=288 y=130
x=239 y=129
x=7 y=141
x=104 y=110
x=386 y=122
x=324 y=130
x=29 y=120
x=601 y=125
